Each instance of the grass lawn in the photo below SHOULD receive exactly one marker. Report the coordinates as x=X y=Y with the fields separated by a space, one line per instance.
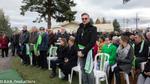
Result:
x=38 y=75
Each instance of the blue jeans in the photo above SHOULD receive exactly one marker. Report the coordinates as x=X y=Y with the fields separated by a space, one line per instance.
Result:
x=86 y=78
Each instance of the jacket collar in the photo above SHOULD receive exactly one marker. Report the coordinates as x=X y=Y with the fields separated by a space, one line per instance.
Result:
x=84 y=26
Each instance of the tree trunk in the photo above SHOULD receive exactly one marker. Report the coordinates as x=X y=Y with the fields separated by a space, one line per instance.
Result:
x=49 y=21
x=49 y=14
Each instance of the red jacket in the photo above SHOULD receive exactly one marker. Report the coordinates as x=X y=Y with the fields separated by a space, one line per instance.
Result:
x=0 y=41
x=4 y=42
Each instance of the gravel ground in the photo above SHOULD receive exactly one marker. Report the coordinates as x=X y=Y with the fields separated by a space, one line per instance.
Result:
x=5 y=63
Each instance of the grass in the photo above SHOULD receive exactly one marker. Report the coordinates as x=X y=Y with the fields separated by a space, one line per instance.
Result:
x=38 y=75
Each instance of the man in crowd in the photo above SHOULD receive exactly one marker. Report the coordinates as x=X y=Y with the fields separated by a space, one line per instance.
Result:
x=32 y=43
x=86 y=39
x=23 y=41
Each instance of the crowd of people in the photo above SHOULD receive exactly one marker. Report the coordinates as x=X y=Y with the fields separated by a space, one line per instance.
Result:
x=127 y=50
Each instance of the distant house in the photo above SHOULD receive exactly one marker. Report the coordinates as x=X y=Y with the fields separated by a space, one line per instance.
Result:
x=108 y=27
x=73 y=26
x=68 y=26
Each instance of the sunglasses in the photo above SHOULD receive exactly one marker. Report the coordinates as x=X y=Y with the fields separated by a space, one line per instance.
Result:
x=84 y=18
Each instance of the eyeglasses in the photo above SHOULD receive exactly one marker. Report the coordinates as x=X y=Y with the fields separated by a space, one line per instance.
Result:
x=84 y=18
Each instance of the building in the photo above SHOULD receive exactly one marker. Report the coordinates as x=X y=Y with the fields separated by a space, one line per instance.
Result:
x=73 y=26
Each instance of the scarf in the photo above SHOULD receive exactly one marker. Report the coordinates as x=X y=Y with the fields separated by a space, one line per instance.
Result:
x=39 y=41
x=134 y=63
x=141 y=48
x=123 y=52
x=28 y=50
x=89 y=60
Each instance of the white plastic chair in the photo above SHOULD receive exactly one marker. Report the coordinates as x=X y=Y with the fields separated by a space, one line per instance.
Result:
x=142 y=65
x=61 y=75
x=100 y=73
x=52 y=55
x=77 y=69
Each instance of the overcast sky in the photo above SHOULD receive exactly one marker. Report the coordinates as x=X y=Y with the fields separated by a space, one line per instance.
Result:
x=110 y=9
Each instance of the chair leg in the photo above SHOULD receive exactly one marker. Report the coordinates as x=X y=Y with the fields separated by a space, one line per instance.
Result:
x=127 y=78
x=132 y=73
x=114 y=79
x=106 y=79
x=30 y=60
x=48 y=64
x=60 y=74
x=71 y=76
x=97 y=80
x=80 y=77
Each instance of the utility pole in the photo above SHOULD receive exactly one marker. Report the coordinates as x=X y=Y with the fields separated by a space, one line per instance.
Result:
x=137 y=20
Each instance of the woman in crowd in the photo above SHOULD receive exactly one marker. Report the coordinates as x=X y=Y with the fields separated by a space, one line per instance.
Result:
x=124 y=58
x=70 y=59
x=110 y=49
x=61 y=53
x=4 y=45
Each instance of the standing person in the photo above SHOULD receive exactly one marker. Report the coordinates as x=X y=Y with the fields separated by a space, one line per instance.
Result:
x=12 y=40
x=4 y=45
x=124 y=58
x=52 y=37
x=32 y=42
x=43 y=48
x=14 y=43
x=86 y=39
x=0 y=43
x=23 y=41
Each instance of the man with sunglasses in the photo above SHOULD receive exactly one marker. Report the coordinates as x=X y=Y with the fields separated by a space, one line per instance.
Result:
x=85 y=40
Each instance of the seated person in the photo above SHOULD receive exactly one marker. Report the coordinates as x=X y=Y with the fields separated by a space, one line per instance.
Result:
x=140 y=49
x=70 y=59
x=124 y=58
x=110 y=49
x=61 y=52
x=144 y=77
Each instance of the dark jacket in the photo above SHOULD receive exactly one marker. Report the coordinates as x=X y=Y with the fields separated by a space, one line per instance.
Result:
x=24 y=37
x=44 y=44
x=143 y=56
x=52 y=39
x=33 y=37
x=15 y=40
x=86 y=36
x=71 y=55
x=61 y=52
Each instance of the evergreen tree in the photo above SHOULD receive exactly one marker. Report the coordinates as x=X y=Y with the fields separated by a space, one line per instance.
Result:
x=60 y=10
x=116 y=25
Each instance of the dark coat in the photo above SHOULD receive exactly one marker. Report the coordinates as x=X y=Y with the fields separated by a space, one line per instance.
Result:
x=24 y=37
x=61 y=52
x=86 y=36
x=44 y=44
x=52 y=39
x=71 y=55
x=143 y=56
x=33 y=37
